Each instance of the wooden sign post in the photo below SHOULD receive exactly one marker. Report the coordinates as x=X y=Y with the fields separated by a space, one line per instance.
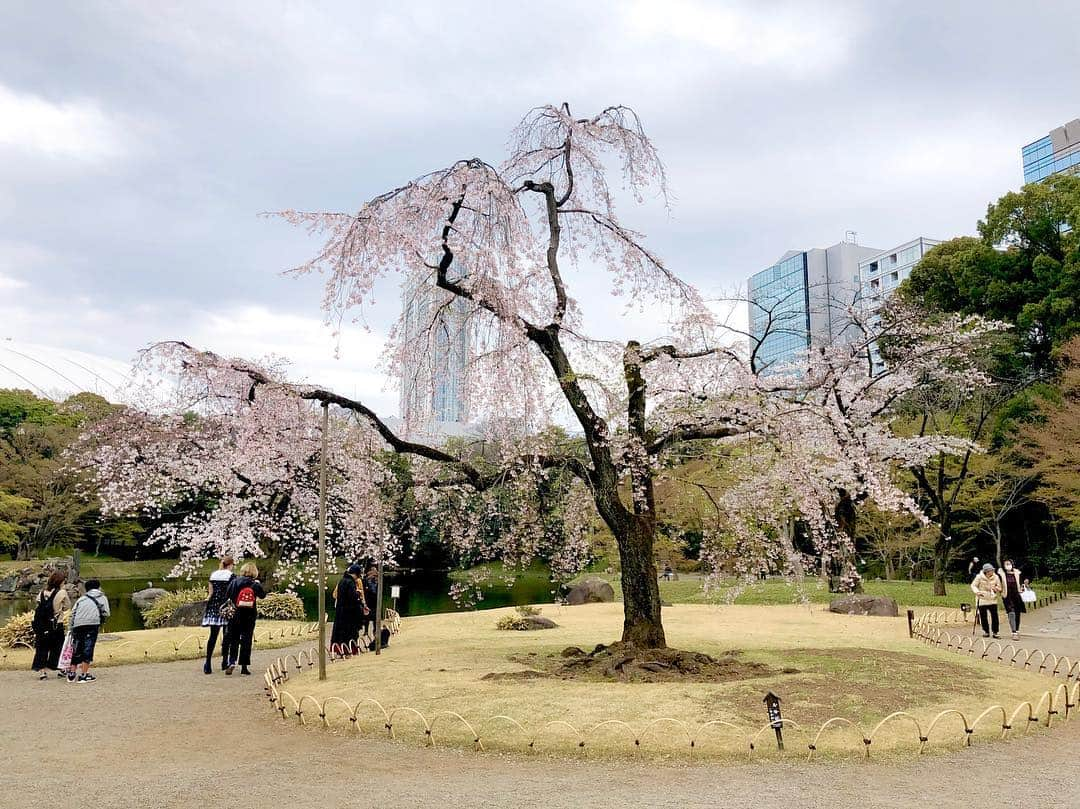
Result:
x=772 y=705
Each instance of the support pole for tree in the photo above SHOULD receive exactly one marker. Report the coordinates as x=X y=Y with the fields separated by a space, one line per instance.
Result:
x=378 y=605
x=322 y=542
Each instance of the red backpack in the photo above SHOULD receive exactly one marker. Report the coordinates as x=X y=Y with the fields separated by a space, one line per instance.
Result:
x=245 y=598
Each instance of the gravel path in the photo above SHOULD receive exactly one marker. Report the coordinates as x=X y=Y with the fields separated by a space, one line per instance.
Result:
x=165 y=735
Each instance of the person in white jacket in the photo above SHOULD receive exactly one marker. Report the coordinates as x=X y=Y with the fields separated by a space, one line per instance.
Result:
x=87 y=616
x=987 y=588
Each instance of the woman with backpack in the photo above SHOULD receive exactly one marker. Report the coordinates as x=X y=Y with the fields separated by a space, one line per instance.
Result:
x=51 y=605
x=242 y=594
x=214 y=617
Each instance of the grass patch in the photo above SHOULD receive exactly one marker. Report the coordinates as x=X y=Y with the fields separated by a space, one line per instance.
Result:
x=822 y=665
x=109 y=567
x=775 y=592
x=162 y=645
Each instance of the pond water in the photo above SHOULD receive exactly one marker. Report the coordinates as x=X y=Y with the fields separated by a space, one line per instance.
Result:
x=421 y=594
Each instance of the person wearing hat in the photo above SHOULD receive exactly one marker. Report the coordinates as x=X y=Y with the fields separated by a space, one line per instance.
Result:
x=349 y=610
x=987 y=588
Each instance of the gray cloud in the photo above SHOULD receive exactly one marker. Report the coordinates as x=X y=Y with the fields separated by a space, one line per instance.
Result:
x=782 y=124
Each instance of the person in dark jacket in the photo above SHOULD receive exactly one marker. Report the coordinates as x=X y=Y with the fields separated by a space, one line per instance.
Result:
x=1014 y=605
x=212 y=617
x=349 y=613
x=243 y=592
x=371 y=597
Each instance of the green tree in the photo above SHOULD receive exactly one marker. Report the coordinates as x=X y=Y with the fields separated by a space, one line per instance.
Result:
x=13 y=510
x=1053 y=444
x=1033 y=283
x=59 y=508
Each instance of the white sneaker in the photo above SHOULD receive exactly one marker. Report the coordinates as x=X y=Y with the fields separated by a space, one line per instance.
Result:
x=1016 y=636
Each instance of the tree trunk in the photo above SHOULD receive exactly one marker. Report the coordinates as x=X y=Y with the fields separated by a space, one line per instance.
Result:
x=941 y=562
x=641 y=590
x=890 y=571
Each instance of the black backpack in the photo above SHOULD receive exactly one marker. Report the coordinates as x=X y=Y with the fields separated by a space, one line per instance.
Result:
x=45 y=618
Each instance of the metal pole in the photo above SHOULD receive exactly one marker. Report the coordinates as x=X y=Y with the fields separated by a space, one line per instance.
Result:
x=378 y=608
x=322 y=543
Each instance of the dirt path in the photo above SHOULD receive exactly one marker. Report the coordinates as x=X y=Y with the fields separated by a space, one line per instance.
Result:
x=165 y=735
x=1055 y=628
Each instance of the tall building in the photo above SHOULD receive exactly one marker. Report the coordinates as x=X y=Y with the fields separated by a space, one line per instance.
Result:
x=881 y=274
x=803 y=299
x=1054 y=153
x=435 y=329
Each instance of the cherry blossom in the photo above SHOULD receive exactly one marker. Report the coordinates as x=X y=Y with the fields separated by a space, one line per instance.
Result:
x=501 y=244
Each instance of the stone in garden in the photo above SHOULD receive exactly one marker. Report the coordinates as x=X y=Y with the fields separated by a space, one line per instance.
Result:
x=187 y=615
x=862 y=604
x=143 y=599
x=590 y=591
x=535 y=622
x=8 y=585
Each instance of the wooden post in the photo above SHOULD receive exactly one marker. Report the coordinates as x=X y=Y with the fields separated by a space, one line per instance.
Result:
x=322 y=542
x=378 y=607
x=772 y=705
x=911 y=623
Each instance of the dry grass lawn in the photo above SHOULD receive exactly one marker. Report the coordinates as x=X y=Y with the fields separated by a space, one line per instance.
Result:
x=158 y=645
x=860 y=668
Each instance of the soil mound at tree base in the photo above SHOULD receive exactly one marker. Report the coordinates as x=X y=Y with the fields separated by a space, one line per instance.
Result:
x=625 y=663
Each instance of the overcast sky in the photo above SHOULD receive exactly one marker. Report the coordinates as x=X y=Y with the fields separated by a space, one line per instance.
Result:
x=139 y=141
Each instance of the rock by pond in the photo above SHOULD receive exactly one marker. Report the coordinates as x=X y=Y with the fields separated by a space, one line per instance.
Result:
x=862 y=604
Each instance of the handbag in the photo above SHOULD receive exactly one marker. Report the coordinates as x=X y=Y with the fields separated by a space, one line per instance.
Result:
x=65 y=654
x=227 y=610
x=1028 y=596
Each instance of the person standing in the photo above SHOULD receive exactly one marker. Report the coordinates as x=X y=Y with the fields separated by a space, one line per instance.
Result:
x=214 y=617
x=1012 y=586
x=349 y=612
x=987 y=588
x=974 y=567
x=371 y=599
x=243 y=592
x=87 y=616
x=52 y=603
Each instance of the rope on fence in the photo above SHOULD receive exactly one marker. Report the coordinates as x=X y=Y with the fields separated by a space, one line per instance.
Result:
x=1057 y=702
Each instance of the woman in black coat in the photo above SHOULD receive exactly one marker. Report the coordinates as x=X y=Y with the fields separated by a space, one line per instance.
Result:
x=349 y=613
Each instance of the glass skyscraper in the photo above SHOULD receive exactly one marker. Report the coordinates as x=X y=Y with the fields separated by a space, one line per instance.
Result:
x=780 y=310
x=1057 y=152
x=433 y=394
x=802 y=300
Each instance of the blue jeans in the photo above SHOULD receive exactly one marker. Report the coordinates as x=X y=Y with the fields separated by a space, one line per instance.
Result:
x=83 y=641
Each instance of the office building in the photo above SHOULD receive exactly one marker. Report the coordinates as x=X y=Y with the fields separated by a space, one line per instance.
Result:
x=881 y=274
x=1054 y=153
x=804 y=299
x=434 y=400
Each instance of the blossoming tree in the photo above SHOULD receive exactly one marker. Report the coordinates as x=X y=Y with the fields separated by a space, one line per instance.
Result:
x=222 y=469
x=501 y=246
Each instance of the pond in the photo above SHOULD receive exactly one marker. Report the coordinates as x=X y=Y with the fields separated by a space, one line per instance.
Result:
x=421 y=594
